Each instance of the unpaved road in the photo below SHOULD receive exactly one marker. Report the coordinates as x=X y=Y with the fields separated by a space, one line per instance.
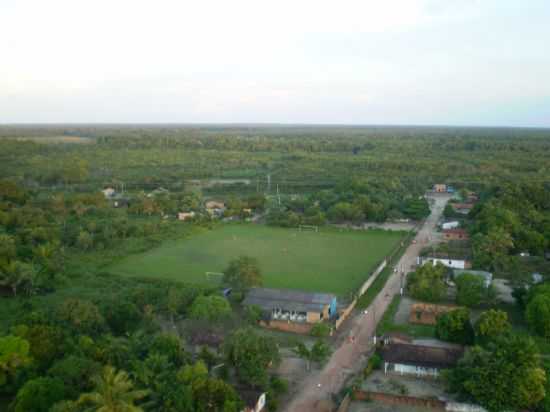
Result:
x=348 y=359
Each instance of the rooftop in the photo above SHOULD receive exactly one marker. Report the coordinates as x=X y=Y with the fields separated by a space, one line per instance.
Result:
x=421 y=355
x=269 y=299
x=457 y=231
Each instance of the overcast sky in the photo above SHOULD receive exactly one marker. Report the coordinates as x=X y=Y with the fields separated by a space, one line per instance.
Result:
x=458 y=62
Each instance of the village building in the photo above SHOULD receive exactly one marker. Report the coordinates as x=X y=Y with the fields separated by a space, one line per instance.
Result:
x=292 y=305
x=108 y=192
x=440 y=188
x=396 y=337
x=472 y=197
x=427 y=313
x=254 y=400
x=455 y=234
x=453 y=263
x=536 y=278
x=420 y=360
x=186 y=215
x=486 y=276
x=158 y=191
x=450 y=225
x=214 y=208
x=462 y=208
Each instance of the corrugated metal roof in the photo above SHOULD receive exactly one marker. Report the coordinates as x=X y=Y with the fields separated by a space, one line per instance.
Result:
x=420 y=355
x=268 y=298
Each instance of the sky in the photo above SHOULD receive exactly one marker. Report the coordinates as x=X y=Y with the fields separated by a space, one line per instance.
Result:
x=432 y=62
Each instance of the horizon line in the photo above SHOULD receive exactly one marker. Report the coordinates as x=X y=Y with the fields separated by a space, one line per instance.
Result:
x=267 y=124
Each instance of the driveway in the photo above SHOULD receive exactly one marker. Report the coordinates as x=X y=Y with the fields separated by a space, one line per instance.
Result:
x=349 y=358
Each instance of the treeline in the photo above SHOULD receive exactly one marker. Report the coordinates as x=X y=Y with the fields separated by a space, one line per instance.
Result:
x=353 y=202
x=514 y=220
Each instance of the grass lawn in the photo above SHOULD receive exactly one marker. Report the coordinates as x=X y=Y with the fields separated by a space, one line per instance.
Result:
x=328 y=261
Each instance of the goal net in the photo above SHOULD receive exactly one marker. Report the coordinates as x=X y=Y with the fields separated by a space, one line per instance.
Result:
x=311 y=228
x=214 y=277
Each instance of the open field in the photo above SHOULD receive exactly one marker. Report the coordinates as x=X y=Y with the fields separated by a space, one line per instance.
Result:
x=329 y=261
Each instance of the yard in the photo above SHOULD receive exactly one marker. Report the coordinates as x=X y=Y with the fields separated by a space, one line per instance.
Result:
x=331 y=260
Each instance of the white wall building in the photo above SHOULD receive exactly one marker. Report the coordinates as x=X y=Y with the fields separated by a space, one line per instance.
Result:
x=449 y=262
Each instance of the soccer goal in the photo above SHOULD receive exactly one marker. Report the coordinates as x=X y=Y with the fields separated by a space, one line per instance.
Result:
x=214 y=277
x=308 y=227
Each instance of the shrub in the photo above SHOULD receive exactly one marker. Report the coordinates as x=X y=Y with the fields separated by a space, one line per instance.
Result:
x=320 y=330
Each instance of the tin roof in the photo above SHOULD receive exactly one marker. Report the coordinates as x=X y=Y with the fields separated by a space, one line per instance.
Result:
x=269 y=299
x=421 y=355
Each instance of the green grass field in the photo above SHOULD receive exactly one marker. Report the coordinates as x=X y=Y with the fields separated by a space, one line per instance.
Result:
x=328 y=261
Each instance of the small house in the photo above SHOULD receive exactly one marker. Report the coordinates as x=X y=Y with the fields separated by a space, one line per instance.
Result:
x=440 y=188
x=536 y=278
x=186 y=215
x=108 y=192
x=455 y=234
x=158 y=191
x=462 y=208
x=292 y=305
x=420 y=360
x=486 y=276
x=215 y=208
x=453 y=263
x=254 y=400
x=450 y=225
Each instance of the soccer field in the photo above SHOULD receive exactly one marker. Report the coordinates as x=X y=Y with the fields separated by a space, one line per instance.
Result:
x=330 y=260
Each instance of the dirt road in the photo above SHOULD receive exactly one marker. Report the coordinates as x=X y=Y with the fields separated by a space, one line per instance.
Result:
x=347 y=360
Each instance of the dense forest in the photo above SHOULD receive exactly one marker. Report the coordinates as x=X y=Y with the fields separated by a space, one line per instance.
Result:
x=74 y=337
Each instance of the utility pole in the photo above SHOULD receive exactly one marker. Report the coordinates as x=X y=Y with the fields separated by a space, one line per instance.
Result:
x=269 y=183
x=278 y=194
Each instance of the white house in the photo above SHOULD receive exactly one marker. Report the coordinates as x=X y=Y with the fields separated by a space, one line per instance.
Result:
x=449 y=262
x=186 y=215
x=254 y=400
x=108 y=192
x=419 y=360
x=450 y=225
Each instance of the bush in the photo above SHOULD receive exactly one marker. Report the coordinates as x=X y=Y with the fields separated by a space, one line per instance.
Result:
x=375 y=361
x=470 y=290
x=320 y=330
x=455 y=326
x=427 y=283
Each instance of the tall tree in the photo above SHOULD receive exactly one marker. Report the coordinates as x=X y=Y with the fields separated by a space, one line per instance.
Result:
x=506 y=375
x=114 y=392
x=243 y=273
x=492 y=324
x=252 y=355
x=14 y=354
x=427 y=283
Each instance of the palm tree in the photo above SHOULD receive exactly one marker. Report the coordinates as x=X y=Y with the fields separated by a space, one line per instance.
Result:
x=16 y=274
x=113 y=393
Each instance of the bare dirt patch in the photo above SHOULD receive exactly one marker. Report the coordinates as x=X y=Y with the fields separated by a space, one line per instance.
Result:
x=408 y=386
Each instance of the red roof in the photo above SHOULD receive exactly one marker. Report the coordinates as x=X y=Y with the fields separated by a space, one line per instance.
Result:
x=456 y=231
x=462 y=205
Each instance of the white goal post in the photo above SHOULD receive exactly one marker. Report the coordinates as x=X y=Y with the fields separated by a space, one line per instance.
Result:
x=308 y=227
x=214 y=276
